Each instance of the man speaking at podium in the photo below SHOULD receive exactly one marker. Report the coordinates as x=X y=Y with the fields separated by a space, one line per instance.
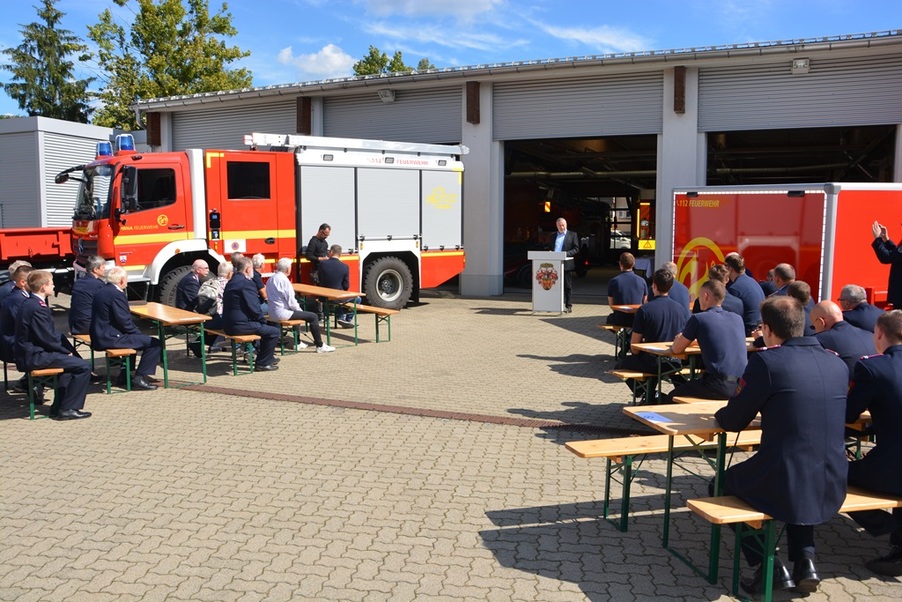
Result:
x=567 y=242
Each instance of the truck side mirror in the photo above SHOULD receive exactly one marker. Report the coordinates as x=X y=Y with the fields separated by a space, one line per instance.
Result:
x=129 y=188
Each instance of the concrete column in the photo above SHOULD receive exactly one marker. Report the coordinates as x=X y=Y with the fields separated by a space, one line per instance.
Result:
x=681 y=158
x=165 y=131
x=317 y=124
x=483 y=202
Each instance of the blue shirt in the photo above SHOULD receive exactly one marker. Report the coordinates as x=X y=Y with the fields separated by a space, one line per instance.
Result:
x=751 y=295
x=661 y=319
x=559 y=241
x=721 y=337
x=628 y=288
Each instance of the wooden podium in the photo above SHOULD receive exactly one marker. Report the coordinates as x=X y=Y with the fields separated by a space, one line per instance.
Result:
x=548 y=280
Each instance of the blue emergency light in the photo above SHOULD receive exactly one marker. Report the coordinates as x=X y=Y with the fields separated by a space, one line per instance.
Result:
x=104 y=149
x=125 y=142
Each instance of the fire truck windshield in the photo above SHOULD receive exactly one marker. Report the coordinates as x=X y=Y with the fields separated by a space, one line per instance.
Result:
x=94 y=193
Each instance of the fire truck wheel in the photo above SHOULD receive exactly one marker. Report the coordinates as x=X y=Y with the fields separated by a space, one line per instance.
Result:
x=169 y=283
x=389 y=283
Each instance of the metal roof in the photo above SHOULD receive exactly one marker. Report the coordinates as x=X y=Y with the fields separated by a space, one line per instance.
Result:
x=680 y=55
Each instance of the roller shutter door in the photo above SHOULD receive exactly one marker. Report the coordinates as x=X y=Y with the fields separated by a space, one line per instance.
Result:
x=601 y=106
x=225 y=127
x=431 y=116
x=62 y=152
x=835 y=92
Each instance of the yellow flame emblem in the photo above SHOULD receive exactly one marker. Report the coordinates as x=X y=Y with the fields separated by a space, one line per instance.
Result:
x=162 y=219
x=688 y=264
x=440 y=199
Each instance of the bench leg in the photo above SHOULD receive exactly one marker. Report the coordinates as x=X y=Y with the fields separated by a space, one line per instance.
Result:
x=626 y=467
x=766 y=535
x=34 y=381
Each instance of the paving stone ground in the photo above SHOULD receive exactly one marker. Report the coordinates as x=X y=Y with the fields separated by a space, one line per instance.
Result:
x=431 y=467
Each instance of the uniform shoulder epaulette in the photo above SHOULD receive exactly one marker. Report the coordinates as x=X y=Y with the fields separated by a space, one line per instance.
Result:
x=867 y=357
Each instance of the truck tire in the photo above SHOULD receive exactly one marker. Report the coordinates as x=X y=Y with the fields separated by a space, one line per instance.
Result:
x=169 y=283
x=388 y=283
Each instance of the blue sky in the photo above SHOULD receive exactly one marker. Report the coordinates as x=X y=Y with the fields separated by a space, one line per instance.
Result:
x=307 y=40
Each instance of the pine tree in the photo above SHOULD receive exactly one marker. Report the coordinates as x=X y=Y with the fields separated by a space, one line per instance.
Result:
x=42 y=69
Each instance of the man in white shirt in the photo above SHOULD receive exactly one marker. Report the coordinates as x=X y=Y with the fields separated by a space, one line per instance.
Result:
x=284 y=306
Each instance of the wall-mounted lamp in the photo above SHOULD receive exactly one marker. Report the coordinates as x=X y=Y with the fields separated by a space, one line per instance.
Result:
x=386 y=95
x=800 y=66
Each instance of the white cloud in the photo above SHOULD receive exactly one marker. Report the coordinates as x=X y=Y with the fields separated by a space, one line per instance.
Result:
x=602 y=39
x=330 y=61
x=442 y=36
x=460 y=9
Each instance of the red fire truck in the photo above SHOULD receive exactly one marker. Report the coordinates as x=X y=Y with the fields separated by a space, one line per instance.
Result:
x=395 y=208
x=822 y=230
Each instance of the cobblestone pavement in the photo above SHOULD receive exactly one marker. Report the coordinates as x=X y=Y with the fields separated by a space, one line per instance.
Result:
x=430 y=467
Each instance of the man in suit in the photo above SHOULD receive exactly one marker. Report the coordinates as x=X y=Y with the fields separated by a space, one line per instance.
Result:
x=186 y=291
x=39 y=345
x=798 y=475
x=7 y=287
x=112 y=327
x=334 y=273
x=888 y=252
x=83 y=292
x=835 y=334
x=855 y=307
x=9 y=312
x=877 y=386
x=241 y=314
x=567 y=242
x=744 y=287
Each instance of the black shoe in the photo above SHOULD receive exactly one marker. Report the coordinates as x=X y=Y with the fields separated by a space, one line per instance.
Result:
x=782 y=579
x=804 y=573
x=139 y=383
x=121 y=380
x=215 y=349
x=266 y=368
x=889 y=565
x=195 y=349
x=569 y=309
x=275 y=360
x=71 y=415
x=38 y=395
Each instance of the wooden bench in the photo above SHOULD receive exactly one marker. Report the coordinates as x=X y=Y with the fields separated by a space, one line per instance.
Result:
x=83 y=340
x=234 y=341
x=730 y=510
x=46 y=377
x=621 y=340
x=642 y=380
x=121 y=358
x=287 y=327
x=382 y=315
x=619 y=454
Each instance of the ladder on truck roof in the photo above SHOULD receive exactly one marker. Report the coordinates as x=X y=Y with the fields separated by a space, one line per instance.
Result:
x=296 y=140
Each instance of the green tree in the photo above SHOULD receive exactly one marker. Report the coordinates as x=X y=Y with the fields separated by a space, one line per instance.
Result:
x=42 y=80
x=173 y=47
x=377 y=62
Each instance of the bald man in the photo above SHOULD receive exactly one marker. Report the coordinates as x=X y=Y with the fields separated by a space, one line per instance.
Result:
x=186 y=292
x=837 y=335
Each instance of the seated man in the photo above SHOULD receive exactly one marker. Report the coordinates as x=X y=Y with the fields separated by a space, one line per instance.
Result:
x=720 y=272
x=83 y=292
x=626 y=288
x=837 y=335
x=721 y=337
x=877 y=386
x=241 y=314
x=743 y=287
x=186 y=291
x=800 y=290
x=855 y=307
x=9 y=314
x=678 y=292
x=7 y=287
x=112 y=327
x=209 y=301
x=333 y=273
x=658 y=320
x=798 y=475
x=39 y=345
x=283 y=305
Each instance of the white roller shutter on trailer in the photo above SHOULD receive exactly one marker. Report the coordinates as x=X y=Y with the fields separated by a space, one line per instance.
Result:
x=62 y=152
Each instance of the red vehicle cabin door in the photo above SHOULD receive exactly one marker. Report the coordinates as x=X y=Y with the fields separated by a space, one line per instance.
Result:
x=253 y=191
x=158 y=218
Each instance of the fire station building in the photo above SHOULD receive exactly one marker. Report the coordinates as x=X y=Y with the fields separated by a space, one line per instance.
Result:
x=601 y=140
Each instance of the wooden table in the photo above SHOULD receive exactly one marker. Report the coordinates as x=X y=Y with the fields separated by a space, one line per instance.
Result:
x=623 y=335
x=165 y=317
x=664 y=350
x=330 y=295
x=696 y=419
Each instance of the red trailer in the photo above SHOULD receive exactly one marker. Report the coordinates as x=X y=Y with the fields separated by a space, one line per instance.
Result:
x=822 y=230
